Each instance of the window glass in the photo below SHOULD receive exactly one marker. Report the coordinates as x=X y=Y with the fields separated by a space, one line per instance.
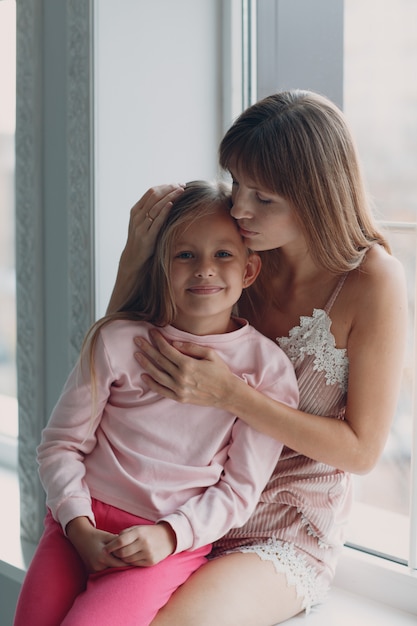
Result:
x=8 y=402
x=380 y=98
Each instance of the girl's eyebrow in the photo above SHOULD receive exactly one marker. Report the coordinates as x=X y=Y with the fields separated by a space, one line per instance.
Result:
x=220 y=243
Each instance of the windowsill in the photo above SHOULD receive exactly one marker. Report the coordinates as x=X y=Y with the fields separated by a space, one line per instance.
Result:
x=15 y=554
x=345 y=608
x=365 y=591
x=379 y=580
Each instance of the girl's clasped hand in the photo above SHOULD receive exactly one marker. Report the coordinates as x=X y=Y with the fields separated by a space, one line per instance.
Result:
x=139 y=546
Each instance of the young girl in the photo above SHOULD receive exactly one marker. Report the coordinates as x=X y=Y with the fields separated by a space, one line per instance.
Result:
x=138 y=486
x=334 y=298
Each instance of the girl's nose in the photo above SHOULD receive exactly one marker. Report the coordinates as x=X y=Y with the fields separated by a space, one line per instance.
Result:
x=205 y=269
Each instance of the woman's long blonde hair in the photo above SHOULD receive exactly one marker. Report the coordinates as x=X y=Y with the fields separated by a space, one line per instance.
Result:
x=297 y=144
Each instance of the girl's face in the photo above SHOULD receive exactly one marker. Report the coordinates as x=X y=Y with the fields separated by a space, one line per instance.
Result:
x=266 y=220
x=209 y=268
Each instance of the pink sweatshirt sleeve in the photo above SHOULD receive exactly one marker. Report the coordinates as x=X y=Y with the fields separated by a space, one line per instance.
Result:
x=229 y=503
x=69 y=437
x=251 y=460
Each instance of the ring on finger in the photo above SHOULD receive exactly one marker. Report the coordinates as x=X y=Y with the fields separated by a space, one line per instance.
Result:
x=150 y=218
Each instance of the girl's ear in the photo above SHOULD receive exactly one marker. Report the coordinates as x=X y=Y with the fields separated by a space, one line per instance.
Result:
x=253 y=267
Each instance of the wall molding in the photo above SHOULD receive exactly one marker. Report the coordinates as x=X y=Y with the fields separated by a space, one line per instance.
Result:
x=34 y=340
x=80 y=171
x=29 y=278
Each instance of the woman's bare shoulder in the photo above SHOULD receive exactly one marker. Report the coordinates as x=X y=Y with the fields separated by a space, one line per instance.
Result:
x=379 y=270
x=380 y=280
x=378 y=261
x=377 y=285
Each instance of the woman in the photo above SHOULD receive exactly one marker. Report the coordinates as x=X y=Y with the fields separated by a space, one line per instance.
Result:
x=334 y=298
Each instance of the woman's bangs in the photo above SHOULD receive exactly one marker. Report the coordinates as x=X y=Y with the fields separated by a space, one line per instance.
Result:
x=251 y=157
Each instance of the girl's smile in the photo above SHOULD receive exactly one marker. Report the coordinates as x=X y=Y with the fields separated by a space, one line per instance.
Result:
x=204 y=290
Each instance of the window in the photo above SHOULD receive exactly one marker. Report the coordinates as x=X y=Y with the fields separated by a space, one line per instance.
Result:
x=380 y=94
x=363 y=55
x=8 y=402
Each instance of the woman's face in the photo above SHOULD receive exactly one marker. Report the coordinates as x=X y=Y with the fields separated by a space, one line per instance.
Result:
x=266 y=220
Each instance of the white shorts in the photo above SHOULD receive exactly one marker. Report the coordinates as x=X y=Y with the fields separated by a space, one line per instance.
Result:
x=311 y=586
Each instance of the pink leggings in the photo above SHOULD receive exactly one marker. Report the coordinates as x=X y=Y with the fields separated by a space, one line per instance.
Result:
x=58 y=590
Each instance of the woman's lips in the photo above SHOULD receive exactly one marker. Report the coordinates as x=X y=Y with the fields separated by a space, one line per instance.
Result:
x=246 y=233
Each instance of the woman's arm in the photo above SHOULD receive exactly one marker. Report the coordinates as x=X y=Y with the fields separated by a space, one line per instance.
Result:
x=146 y=218
x=375 y=350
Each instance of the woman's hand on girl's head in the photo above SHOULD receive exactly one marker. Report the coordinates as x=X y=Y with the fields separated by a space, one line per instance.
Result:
x=146 y=218
x=185 y=372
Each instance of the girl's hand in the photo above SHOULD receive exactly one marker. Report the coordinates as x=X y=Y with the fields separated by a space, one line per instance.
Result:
x=143 y=546
x=91 y=544
x=185 y=372
x=146 y=218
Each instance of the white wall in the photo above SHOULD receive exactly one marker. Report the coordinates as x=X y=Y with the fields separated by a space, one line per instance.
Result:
x=158 y=109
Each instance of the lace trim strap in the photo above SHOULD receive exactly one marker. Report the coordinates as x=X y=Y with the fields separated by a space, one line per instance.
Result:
x=335 y=293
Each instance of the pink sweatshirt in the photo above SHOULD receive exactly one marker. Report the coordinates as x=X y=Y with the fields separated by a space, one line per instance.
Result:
x=200 y=469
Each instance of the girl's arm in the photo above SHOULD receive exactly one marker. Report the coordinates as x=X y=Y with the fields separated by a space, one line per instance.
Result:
x=70 y=436
x=229 y=503
x=251 y=459
x=247 y=463
x=146 y=218
x=375 y=350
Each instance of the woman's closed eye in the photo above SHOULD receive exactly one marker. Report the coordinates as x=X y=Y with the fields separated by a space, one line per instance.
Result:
x=262 y=199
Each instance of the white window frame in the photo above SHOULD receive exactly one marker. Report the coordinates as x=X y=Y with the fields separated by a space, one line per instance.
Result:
x=8 y=442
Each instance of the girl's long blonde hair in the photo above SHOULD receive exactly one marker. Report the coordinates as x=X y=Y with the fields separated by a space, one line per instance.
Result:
x=297 y=144
x=152 y=299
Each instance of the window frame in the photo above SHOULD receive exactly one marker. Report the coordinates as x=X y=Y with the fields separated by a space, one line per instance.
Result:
x=8 y=442
x=54 y=219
